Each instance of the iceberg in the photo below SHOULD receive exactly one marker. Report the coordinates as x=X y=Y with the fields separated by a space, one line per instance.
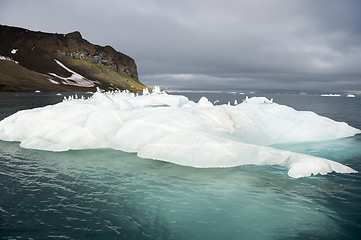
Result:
x=331 y=95
x=174 y=129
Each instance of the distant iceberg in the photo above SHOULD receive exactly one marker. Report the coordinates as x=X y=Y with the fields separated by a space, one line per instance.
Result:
x=174 y=129
x=331 y=95
x=351 y=95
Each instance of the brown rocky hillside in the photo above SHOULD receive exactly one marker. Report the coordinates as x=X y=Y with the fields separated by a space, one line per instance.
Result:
x=32 y=61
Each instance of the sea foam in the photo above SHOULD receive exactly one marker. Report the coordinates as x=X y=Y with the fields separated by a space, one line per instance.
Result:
x=174 y=129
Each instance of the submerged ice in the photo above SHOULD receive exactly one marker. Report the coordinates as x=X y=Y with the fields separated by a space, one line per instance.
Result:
x=174 y=129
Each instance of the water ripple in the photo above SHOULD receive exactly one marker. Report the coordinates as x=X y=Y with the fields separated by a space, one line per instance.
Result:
x=113 y=195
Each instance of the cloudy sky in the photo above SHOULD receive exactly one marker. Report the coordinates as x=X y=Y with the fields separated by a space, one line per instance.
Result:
x=300 y=45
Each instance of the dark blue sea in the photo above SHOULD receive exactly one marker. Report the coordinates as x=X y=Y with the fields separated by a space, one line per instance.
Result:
x=108 y=194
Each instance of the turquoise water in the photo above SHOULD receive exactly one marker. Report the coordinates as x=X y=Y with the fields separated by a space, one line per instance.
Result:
x=108 y=194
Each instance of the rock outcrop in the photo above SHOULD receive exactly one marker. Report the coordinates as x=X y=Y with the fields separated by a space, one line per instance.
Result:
x=61 y=62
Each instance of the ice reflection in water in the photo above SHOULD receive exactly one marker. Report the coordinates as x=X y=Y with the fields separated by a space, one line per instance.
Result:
x=107 y=193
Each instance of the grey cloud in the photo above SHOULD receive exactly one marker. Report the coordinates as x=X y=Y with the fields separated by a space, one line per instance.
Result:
x=266 y=44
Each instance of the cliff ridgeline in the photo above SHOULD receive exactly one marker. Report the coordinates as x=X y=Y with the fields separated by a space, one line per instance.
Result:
x=32 y=61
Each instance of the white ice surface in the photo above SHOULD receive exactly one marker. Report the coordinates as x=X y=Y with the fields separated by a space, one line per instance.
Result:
x=75 y=79
x=52 y=81
x=174 y=129
x=8 y=59
x=331 y=95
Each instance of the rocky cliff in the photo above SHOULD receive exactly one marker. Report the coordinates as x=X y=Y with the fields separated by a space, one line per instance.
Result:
x=32 y=61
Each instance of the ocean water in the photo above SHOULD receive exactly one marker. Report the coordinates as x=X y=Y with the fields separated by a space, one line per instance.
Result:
x=108 y=194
